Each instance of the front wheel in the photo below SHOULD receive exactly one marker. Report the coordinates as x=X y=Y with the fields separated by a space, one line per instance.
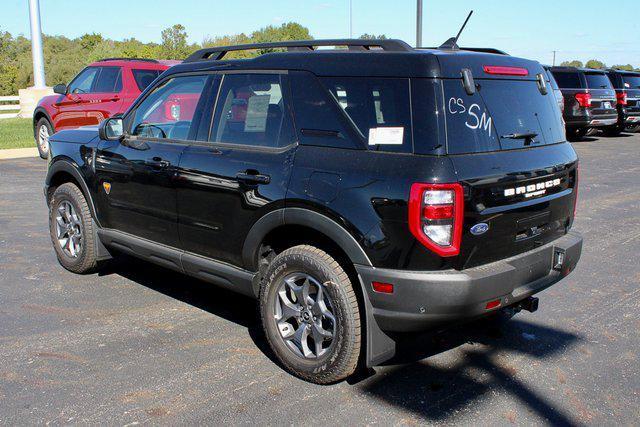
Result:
x=310 y=315
x=42 y=132
x=72 y=230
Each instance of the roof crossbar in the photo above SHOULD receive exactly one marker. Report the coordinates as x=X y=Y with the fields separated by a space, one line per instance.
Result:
x=218 y=52
x=127 y=59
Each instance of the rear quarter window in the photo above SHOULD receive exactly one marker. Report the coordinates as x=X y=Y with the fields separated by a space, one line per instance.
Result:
x=144 y=78
x=568 y=80
x=380 y=108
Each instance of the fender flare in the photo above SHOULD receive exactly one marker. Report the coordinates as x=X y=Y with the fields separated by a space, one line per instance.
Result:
x=68 y=166
x=307 y=218
x=42 y=110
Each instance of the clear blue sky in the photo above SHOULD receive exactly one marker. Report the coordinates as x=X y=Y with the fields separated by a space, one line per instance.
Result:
x=580 y=29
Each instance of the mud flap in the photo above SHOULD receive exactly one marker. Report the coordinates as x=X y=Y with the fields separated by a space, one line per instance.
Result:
x=380 y=347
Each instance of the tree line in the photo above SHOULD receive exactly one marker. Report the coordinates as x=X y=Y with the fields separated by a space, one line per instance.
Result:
x=598 y=65
x=65 y=57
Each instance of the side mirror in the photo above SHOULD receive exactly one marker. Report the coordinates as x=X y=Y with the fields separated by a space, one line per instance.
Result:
x=60 y=89
x=111 y=129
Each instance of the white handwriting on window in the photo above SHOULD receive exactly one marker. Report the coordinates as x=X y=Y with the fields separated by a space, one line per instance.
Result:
x=475 y=119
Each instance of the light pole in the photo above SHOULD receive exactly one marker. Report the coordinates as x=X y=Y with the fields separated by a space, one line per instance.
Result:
x=36 y=44
x=351 y=19
x=419 y=24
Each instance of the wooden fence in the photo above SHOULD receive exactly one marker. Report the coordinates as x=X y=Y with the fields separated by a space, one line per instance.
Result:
x=9 y=103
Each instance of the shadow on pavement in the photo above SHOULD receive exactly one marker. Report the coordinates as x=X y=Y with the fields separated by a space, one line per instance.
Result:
x=427 y=387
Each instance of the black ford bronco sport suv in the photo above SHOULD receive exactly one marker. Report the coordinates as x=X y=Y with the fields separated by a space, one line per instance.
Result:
x=357 y=193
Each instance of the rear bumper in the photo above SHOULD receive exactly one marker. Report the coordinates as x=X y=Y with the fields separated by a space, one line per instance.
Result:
x=425 y=300
x=602 y=122
x=632 y=119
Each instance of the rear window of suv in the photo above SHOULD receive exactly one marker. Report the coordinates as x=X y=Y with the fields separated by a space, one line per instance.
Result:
x=568 y=80
x=598 y=81
x=631 y=81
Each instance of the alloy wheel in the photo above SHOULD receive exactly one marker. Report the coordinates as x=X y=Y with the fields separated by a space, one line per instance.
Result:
x=43 y=138
x=68 y=229
x=304 y=316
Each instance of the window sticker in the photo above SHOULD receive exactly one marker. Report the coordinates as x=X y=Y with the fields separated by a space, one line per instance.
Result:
x=386 y=136
x=257 y=108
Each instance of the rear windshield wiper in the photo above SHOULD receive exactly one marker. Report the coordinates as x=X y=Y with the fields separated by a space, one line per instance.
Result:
x=528 y=137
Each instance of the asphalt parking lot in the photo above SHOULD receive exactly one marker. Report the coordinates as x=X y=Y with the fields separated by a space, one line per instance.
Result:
x=139 y=344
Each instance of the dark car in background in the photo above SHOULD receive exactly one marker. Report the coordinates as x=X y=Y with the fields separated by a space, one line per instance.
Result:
x=627 y=86
x=589 y=100
x=101 y=90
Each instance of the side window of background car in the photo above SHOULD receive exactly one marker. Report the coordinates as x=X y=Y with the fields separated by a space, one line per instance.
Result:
x=109 y=80
x=251 y=110
x=144 y=78
x=171 y=110
x=83 y=81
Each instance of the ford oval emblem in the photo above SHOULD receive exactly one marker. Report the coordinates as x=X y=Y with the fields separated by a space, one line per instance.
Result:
x=479 y=228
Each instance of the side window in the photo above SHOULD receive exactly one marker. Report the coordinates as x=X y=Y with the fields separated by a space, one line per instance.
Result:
x=144 y=78
x=169 y=111
x=83 y=81
x=251 y=111
x=379 y=107
x=109 y=80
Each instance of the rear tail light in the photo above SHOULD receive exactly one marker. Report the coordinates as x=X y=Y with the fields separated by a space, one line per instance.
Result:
x=621 y=97
x=584 y=99
x=436 y=214
x=506 y=71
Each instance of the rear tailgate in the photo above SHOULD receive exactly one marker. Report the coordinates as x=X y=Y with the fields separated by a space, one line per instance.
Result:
x=603 y=95
x=509 y=152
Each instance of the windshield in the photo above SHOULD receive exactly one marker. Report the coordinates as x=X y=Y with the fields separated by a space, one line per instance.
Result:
x=598 y=81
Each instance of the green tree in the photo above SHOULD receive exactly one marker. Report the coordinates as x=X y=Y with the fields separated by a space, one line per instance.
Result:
x=627 y=67
x=574 y=63
x=594 y=63
x=90 y=41
x=174 y=43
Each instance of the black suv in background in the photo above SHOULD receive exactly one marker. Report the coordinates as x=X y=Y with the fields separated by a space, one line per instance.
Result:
x=627 y=86
x=556 y=89
x=589 y=99
x=356 y=193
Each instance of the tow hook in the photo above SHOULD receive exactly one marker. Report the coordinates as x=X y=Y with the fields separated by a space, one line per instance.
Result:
x=529 y=304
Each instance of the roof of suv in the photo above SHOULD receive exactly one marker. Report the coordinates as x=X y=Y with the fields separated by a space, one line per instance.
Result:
x=400 y=59
x=615 y=70
x=579 y=69
x=152 y=64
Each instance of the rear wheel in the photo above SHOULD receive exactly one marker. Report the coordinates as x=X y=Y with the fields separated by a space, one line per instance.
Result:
x=576 y=134
x=71 y=228
x=310 y=315
x=614 y=130
x=42 y=133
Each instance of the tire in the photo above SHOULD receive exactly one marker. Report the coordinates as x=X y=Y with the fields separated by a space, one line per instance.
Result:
x=576 y=134
x=70 y=219
x=330 y=295
x=612 y=131
x=42 y=132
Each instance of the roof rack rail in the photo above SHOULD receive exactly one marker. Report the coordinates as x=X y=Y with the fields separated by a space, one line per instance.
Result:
x=217 y=53
x=472 y=49
x=128 y=59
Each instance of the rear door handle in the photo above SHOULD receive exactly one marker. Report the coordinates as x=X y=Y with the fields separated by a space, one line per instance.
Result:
x=159 y=163
x=251 y=178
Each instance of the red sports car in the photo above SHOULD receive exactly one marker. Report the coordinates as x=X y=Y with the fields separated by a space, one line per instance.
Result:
x=102 y=89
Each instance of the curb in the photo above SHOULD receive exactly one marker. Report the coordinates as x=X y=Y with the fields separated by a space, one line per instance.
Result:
x=18 y=153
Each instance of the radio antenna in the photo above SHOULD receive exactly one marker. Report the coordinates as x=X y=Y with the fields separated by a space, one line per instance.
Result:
x=452 y=43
